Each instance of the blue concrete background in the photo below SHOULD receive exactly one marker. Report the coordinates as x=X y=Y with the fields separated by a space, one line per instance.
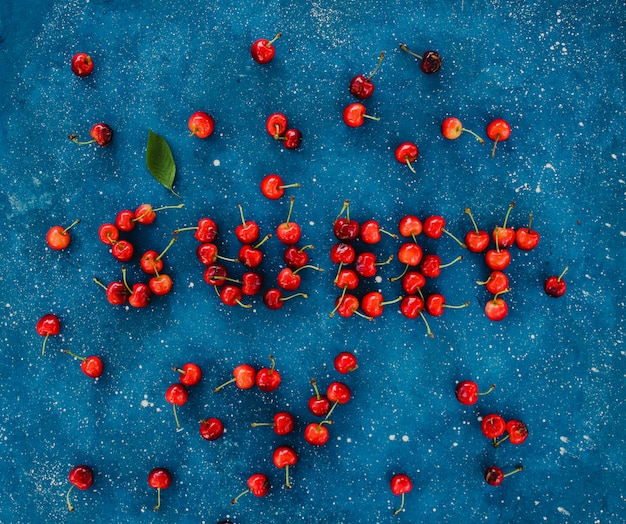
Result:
x=554 y=70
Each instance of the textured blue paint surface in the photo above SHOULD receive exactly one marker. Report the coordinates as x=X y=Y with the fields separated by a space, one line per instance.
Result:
x=554 y=70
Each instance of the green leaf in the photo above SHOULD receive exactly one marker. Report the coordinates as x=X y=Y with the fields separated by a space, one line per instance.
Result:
x=160 y=161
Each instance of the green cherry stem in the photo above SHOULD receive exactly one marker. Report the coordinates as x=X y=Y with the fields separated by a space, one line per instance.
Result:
x=380 y=61
x=407 y=50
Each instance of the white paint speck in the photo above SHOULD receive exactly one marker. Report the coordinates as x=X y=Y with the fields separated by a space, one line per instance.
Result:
x=216 y=163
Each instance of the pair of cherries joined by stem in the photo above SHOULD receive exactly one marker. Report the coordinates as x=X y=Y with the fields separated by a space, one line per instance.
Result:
x=177 y=395
x=276 y=126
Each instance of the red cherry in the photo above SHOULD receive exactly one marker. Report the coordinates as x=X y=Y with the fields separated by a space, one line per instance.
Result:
x=116 y=292
x=58 y=237
x=206 y=231
x=161 y=284
x=258 y=485
x=497 y=259
x=467 y=392
x=273 y=298
x=407 y=153
x=342 y=253
x=498 y=130
x=436 y=303
x=366 y=264
x=431 y=265
x=410 y=254
x=451 y=128
x=504 y=236
x=411 y=306
x=262 y=50
x=410 y=226
x=476 y=240
x=208 y=254
x=276 y=125
x=82 y=64
x=361 y=86
x=494 y=475
x=296 y=257
x=176 y=395
x=231 y=295
x=435 y=227
x=493 y=426
x=400 y=484
x=252 y=256
x=289 y=279
x=108 y=234
x=125 y=220
x=413 y=282
x=337 y=393
x=211 y=429
x=517 y=431
x=145 y=214
x=370 y=232
x=354 y=115
x=251 y=283
x=316 y=433
x=159 y=478
x=47 y=325
x=283 y=423
x=248 y=231
x=101 y=133
x=289 y=232
x=244 y=376
x=525 y=238
x=496 y=308
x=268 y=379
x=292 y=139
x=81 y=477
x=345 y=362
x=201 y=124
x=373 y=304
x=273 y=187
x=318 y=404
x=347 y=305
x=91 y=366
x=140 y=293
x=497 y=282
x=555 y=286
x=430 y=62
x=190 y=374
x=215 y=275
x=283 y=457
x=122 y=250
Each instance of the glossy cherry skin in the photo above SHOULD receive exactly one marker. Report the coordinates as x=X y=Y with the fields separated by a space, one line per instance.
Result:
x=122 y=251
x=159 y=478
x=296 y=257
x=283 y=457
x=201 y=124
x=354 y=115
x=346 y=230
x=140 y=296
x=81 y=476
x=92 y=366
x=431 y=62
x=276 y=125
x=316 y=434
x=211 y=429
x=347 y=278
x=497 y=260
x=342 y=253
x=517 y=430
x=268 y=379
x=410 y=226
x=435 y=304
x=348 y=306
x=283 y=423
x=293 y=139
x=338 y=392
x=555 y=286
x=263 y=50
x=48 y=324
x=406 y=153
x=207 y=230
x=245 y=376
x=145 y=214
x=503 y=236
x=526 y=239
x=433 y=226
x=319 y=405
x=496 y=309
x=361 y=87
x=370 y=232
x=288 y=280
x=176 y=394
x=467 y=392
x=499 y=130
x=117 y=293
x=125 y=220
x=497 y=282
x=102 y=134
x=82 y=64
x=288 y=233
x=411 y=306
x=345 y=362
x=430 y=266
x=412 y=282
x=477 y=241
x=400 y=484
x=410 y=253
x=249 y=256
x=190 y=374
x=494 y=476
x=247 y=233
x=231 y=295
x=160 y=285
x=493 y=426
x=272 y=186
x=258 y=484
x=215 y=275
x=108 y=234
x=58 y=238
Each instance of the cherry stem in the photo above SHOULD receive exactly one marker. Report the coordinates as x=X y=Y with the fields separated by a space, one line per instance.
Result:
x=43 y=346
x=171 y=243
x=243 y=220
x=386 y=261
x=273 y=364
x=407 y=50
x=287 y=483
x=70 y=226
x=516 y=470
x=176 y=417
x=365 y=115
x=287 y=186
x=74 y=138
x=460 y=257
x=408 y=163
x=99 y=283
x=291 y=200
x=482 y=142
x=330 y=411
x=495 y=297
x=156 y=508
x=495 y=143
x=454 y=238
x=297 y=270
x=508 y=212
x=224 y=384
x=392 y=301
x=346 y=208
x=124 y=280
x=338 y=271
x=401 y=505
x=343 y=294
x=380 y=61
x=234 y=501
x=67 y=498
x=467 y=210
x=308 y=246
x=73 y=354
x=265 y=238
x=530 y=220
x=562 y=274
x=359 y=314
x=303 y=295
x=278 y=35
x=317 y=391
x=428 y=331
x=406 y=268
x=245 y=306
x=392 y=235
x=457 y=306
x=257 y=424
x=492 y=387
x=496 y=442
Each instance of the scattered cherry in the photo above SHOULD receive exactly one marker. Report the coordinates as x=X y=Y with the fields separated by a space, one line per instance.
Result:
x=555 y=286
x=467 y=392
x=268 y=379
x=498 y=131
x=273 y=187
x=407 y=153
x=400 y=484
x=430 y=62
x=81 y=477
x=176 y=395
x=318 y=404
x=525 y=238
x=211 y=429
x=190 y=374
x=497 y=309
x=282 y=424
x=201 y=124
x=477 y=240
x=494 y=475
x=244 y=376
x=258 y=485
x=58 y=237
x=263 y=50
x=47 y=325
x=354 y=115
x=283 y=457
x=345 y=362
x=159 y=478
x=361 y=86
x=451 y=128
x=91 y=366
x=101 y=133
x=82 y=64
x=493 y=426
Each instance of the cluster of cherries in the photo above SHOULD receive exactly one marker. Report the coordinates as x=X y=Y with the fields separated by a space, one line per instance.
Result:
x=494 y=427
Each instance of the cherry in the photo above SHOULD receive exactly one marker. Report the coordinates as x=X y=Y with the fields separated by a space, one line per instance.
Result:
x=400 y=484
x=108 y=234
x=496 y=283
x=176 y=395
x=347 y=305
x=504 y=236
x=251 y=283
x=283 y=457
x=430 y=62
x=366 y=264
x=82 y=64
x=525 y=238
x=467 y=392
x=160 y=284
x=477 y=240
x=244 y=376
x=289 y=232
x=337 y=393
x=413 y=282
x=116 y=292
x=296 y=257
x=208 y=254
x=373 y=304
x=206 y=231
x=494 y=475
x=201 y=124
x=410 y=254
x=258 y=485
x=268 y=379
x=125 y=220
x=80 y=477
x=145 y=214
x=410 y=226
x=231 y=295
x=435 y=227
x=91 y=366
x=498 y=131
x=316 y=433
x=354 y=115
x=159 y=478
x=276 y=125
x=292 y=139
x=497 y=259
x=248 y=231
x=47 y=325
x=555 y=286
x=190 y=374
x=252 y=256
x=361 y=86
x=211 y=429
x=496 y=308
x=517 y=432
x=262 y=50
x=101 y=133
x=318 y=404
x=342 y=253
x=370 y=232
x=493 y=426
x=283 y=423
x=215 y=275
x=407 y=153
x=273 y=187
x=451 y=128
x=436 y=303
x=58 y=237
x=345 y=229
x=289 y=279
x=411 y=307
x=347 y=279
x=122 y=250
x=273 y=298
x=345 y=362
x=431 y=265
x=140 y=293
